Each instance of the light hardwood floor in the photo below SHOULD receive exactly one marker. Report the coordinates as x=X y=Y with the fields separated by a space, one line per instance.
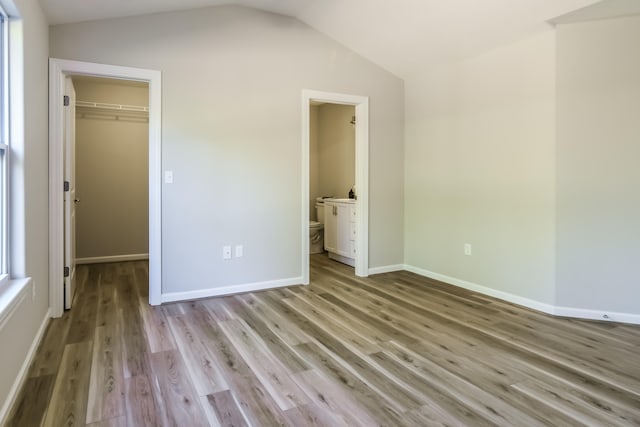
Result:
x=394 y=349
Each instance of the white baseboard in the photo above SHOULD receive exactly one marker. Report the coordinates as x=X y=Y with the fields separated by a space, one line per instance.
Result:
x=604 y=315
x=228 y=290
x=578 y=313
x=113 y=258
x=536 y=305
x=386 y=269
x=24 y=369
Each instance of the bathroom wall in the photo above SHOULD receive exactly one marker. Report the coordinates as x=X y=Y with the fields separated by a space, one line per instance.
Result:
x=112 y=173
x=336 y=154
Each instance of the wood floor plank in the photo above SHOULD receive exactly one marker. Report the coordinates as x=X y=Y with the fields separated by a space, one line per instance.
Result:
x=383 y=327
x=379 y=404
x=155 y=324
x=573 y=360
x=256 y=404
x=47 y=358
x=286 y=330
x=135 y=350
x=333 y=398
x=112 y=422
x=602 y=406
x=141 y=279
x=106 y=384
x=442 y=404
x=200 y=361
x=339 y=347
x=143 y=402
x=83 y=318
x=345 y=319
x=487 y=405
x=568 y=404
x=531 y=365
x=219 y=310
x=68 y=405
x=107 y=314
x=32 y=402
x=311 y=416
x=356 y=342
x=558 y=344
x=433 y=415
x=223 y=410
x=181 y=403
x=173 y=309
x=395 y=316
x=279 y=349
x=268 y=369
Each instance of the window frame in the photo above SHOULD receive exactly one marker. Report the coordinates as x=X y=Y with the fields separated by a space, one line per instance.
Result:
x=5 y=153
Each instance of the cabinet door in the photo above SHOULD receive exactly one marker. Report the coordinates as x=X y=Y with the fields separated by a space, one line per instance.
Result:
x=344 y=230
x=352 y=232
x=330 y=227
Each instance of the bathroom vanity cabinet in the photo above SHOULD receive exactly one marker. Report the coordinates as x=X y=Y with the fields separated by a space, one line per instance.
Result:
x=340 y=230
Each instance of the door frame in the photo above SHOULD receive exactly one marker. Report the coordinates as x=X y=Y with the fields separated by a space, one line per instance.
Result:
x=58 y=70
x=361 y=104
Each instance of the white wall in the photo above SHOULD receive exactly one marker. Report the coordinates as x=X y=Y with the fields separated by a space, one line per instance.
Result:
x=112 y=172
x=480 y=159
x=337 y=149
x=29 y=198
x=599 y=165
x=232 y=85
x=332 y=153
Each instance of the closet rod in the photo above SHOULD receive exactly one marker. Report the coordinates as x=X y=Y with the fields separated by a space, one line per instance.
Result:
x=114 y=107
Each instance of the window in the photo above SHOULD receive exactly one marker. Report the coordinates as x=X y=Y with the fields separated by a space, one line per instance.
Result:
x=4 y=145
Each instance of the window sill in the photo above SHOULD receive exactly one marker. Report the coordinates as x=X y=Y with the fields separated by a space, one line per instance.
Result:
x=12 y=293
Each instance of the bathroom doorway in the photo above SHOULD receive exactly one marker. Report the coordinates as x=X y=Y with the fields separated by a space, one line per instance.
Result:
x=348 y=173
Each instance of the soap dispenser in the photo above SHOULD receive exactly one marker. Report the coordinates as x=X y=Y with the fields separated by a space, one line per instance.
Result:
x=352 y=195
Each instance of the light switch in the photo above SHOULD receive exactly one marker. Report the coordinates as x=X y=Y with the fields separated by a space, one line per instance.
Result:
x=239 y=251
x=168 y=177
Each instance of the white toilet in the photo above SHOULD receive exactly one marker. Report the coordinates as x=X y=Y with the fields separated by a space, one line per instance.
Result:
x=316 y=230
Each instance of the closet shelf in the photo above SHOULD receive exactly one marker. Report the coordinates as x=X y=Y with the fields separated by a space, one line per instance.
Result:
x=112 y=107
x=104 y=111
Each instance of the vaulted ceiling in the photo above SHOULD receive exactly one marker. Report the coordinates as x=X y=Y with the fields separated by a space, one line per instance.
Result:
x=403 y=36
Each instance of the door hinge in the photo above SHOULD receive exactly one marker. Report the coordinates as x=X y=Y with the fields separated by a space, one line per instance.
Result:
x=65 y=100
x=66 y=186
x=66 y=272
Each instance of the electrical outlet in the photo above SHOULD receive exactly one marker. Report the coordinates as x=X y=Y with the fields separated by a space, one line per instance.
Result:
x=168 y=177
x=239 y=251
x=467 y=248
x=226 y=252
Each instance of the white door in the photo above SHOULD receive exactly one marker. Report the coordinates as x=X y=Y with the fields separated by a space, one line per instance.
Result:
x=70 y=193
x=344 y=236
